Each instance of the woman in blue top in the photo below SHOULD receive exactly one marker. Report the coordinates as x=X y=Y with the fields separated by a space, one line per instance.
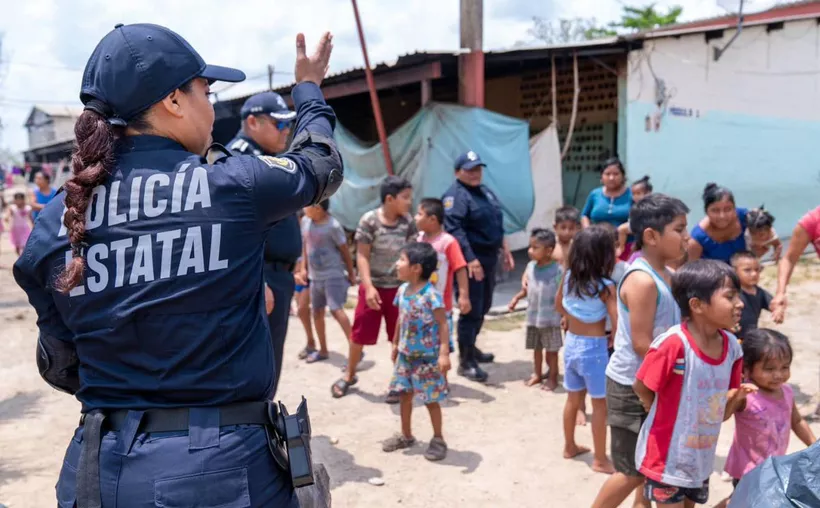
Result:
x=42 y=194
x=610 y=202
x=719 y=235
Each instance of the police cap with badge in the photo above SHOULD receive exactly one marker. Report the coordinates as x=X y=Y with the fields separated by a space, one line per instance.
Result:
x=267 y=103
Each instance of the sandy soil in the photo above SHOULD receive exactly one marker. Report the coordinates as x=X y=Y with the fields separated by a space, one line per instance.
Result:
x=505 y=439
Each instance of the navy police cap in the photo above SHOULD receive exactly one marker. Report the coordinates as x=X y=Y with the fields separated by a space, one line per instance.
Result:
x=270 y=103
x=135 y=66
x=469 y=160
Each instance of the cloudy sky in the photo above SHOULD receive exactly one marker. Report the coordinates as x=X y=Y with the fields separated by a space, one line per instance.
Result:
x=47 y=42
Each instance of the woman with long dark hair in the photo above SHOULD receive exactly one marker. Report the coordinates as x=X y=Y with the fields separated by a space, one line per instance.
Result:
x=720 y=234
x=609 y=203
x=146 y=275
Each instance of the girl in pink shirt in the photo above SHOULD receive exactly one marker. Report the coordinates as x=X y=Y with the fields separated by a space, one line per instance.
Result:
x=763 y=425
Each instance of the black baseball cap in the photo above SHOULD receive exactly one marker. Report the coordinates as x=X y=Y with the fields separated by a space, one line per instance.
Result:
x=135 y=66
x=267 y=103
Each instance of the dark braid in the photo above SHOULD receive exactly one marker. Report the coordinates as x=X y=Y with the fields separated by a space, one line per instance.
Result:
x=91 y=163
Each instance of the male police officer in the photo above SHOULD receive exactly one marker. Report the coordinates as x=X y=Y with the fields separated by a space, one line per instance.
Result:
x=472 y=214
x=145 y=275
x=266 y=124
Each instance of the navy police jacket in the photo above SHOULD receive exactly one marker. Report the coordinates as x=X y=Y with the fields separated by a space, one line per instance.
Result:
x=284 y=240
x=171 y=311
x=473 y=216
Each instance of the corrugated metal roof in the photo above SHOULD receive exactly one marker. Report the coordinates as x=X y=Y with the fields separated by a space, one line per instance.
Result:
x=805 y=9
x=801 y=9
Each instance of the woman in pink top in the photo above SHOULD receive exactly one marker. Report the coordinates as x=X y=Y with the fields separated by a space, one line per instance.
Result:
x=806 y=231
x=763 y=426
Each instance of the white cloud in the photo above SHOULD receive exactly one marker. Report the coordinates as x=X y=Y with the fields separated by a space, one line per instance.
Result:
x=46 y=39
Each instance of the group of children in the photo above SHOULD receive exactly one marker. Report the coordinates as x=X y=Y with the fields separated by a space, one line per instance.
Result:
x=407 y=267
x=675 y=371
x=651 y=343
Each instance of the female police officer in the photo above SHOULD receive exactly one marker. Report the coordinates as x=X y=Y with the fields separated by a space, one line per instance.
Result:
x=146 y=277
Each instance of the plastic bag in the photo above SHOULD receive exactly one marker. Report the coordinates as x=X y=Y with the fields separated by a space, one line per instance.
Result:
x=788 y=481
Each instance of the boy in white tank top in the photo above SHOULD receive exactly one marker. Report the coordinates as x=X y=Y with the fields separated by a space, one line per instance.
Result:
x=646 y=309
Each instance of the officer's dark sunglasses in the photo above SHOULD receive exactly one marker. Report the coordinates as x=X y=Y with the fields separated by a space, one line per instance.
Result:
x=280 y=124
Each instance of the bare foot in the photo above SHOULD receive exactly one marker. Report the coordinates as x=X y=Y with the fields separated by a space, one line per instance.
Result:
x=575 y=451
x=549 y=386
x=580 y=419
x=603 y=466
x=533 y=380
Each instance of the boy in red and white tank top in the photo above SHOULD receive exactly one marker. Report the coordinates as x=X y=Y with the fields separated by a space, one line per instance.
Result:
x=690 y=383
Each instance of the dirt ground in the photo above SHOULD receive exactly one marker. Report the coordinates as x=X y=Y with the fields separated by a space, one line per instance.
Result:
x=505 y=439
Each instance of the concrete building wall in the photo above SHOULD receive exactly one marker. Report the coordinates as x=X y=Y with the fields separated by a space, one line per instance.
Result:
x=749 y=121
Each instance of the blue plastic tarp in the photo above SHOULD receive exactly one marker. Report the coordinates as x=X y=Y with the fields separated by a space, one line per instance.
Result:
x=423 y=151
x=789 y=481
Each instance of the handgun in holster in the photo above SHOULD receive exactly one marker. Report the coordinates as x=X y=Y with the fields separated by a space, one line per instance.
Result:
x=289 y=441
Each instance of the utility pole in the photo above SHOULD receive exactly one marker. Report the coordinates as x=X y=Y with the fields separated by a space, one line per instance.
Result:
x=471 y=64
x=270 y=77
x=374 y=95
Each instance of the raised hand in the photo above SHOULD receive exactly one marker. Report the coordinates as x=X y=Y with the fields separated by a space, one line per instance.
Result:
x=313 y=68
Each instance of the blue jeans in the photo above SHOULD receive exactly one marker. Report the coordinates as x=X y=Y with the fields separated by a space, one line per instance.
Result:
x=208 y=467
x=585 y=361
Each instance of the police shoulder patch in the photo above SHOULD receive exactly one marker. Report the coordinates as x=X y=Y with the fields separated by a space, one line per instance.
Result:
x=279 y=163
x=448 y=202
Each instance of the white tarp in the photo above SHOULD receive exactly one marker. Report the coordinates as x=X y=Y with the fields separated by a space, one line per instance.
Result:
x=545 y=161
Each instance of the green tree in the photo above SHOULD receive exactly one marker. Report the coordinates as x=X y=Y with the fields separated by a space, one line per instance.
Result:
x=633 y=19
x=565 y=31
x=647 y=17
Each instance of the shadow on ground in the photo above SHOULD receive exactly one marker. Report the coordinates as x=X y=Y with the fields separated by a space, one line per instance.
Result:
x=514 y=371
x=19 y=405
x=340 y=463
x=11 y=472
x=468 y=461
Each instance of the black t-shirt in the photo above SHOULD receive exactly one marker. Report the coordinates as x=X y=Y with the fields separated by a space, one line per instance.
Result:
x=752 y=305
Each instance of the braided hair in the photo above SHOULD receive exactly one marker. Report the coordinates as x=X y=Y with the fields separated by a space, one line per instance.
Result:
x=91 y=162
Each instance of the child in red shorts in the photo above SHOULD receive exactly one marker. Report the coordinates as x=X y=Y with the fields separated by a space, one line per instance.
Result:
x=380 y=237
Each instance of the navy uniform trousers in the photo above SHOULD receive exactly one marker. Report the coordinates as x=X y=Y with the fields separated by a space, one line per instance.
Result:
x=280 y=281
x=481 y=300
x=206 y=467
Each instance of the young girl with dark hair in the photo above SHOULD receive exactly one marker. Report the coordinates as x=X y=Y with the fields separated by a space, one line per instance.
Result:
x=764 y=423
x=585 y=298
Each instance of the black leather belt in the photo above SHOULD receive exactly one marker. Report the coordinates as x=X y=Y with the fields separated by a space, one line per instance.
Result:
x=153 y=420
x=176 y=419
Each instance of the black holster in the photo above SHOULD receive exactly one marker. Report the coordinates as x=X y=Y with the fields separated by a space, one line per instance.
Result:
x=289 y=442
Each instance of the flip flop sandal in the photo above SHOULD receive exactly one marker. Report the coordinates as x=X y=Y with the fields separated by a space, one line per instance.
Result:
x=340 y=387
x=315 y=356
x=304 y=353
x=392 y=398
x=398 y=442
x=437 y=450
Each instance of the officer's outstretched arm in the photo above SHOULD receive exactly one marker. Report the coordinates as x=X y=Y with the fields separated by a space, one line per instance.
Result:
x=311 y=171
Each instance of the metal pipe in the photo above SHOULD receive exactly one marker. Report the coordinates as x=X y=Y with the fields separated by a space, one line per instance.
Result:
x=374 y=95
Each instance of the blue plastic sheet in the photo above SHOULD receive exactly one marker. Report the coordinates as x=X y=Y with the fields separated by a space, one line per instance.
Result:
x=790 y=481
x=423 y=150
